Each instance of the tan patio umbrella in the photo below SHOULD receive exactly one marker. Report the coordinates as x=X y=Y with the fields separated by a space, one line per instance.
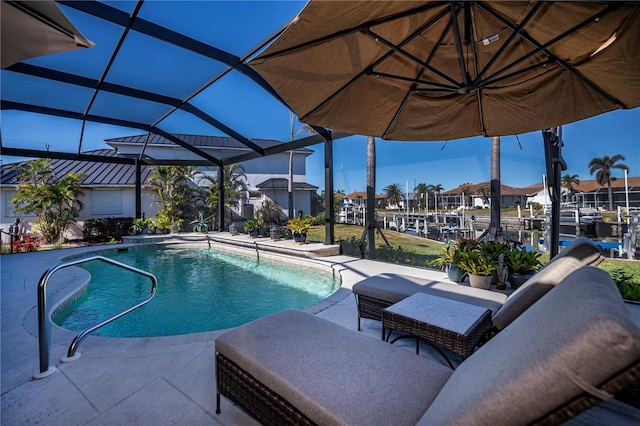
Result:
x=440 y=70
x=36 y=28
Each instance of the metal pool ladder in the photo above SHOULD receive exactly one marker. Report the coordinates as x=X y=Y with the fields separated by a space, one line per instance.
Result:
x=44 y=329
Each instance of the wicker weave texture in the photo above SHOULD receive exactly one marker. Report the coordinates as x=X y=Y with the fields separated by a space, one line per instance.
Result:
x=460 y=344
x=371 y=308
x=265 y=405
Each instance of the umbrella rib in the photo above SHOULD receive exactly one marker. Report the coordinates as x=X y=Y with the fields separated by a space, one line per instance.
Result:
x=370 y=69
x=437 y=86
x=421 y=70
x=409 y=56
x=358 y=28
x=456 y=34
x=507 y=43
x=544 y=49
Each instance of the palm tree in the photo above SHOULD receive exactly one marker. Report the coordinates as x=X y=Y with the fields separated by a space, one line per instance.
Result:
x=421 y=191
x=484 y=192
x=234 y=186
x=602 y=167
x=304 y=129
x=465 y=190
x=437 y=189
x=175 y=192
x=568 y=181
x=393 y=194
x=55 y=202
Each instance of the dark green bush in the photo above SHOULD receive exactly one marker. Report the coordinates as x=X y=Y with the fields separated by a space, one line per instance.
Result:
x=628 y=288
x=107 y=228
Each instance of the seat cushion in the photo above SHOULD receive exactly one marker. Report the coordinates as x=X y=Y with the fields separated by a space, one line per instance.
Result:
x=331 y=374
x=575 y=338
x=395 y=287
x=579 y=253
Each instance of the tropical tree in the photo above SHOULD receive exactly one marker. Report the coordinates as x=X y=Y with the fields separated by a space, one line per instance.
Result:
x=603 y=167
x=484 y=192
x=464 y=191
x=393 y=194
x=269 y=213
x=568 y=181
x=422 y=191
x=175 y=192
x=437 y=189
x=55 y=202
x=234 y=185
x=304 y=129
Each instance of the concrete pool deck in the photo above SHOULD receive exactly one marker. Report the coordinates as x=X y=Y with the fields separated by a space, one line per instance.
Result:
x=154 y=381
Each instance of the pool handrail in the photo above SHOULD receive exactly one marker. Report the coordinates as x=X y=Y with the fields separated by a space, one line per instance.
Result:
x=44 y=332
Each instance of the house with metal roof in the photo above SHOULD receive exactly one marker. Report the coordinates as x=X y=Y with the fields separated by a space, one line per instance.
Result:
x=109 y=189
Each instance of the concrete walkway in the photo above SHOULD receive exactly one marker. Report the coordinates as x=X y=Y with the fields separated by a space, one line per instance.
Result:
x=145 y=381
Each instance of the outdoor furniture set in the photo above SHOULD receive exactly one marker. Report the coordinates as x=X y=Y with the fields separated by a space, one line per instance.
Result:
x=379 y=292
x=575 y=347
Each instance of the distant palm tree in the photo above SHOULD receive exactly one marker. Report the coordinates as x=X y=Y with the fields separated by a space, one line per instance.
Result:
x=484 y=192
x=465 y=190
x=393 y=194
x=437 y=189
x=234 y=185
x=421 y=191
x=602 y=167
x=304 y=129
x=568 y=181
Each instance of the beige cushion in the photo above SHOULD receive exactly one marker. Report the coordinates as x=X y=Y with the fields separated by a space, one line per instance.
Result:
x=334 y=375
x=395 y=287
x=576 y=337
x=579 y=253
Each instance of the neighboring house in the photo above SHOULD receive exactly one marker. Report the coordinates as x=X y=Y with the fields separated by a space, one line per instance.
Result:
x=589 y=194
x=509 y=196
x=266 y=177
x=360 y=198
x=109 y=189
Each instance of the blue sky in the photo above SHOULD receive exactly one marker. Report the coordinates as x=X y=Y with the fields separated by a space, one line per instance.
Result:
x=242 y=105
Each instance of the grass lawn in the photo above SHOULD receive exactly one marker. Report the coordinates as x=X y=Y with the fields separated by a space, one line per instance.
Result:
x=426 y=250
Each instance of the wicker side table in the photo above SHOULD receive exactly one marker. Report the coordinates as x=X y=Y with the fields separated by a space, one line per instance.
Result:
x=440 y=322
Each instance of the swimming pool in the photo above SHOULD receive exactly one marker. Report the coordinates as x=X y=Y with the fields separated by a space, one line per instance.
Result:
x=198 y=290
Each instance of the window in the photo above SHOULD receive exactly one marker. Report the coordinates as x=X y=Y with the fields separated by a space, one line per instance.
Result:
x=106 y=202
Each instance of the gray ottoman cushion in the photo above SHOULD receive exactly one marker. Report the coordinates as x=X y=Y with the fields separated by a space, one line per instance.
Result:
x=580 y=253
x=334 y=375
x=395 y=287
x=572 y=340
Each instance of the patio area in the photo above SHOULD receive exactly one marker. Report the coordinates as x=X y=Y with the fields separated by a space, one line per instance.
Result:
x=162 y=380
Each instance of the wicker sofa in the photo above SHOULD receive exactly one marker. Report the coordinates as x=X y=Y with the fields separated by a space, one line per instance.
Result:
x=376 y=293
x=574 y=347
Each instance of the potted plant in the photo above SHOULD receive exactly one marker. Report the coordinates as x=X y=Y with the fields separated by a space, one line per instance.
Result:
x=494 y=249
x=479 y=266
x=252 y=227
x=448 y=260
x=450 y=255
x=299 y=227
x=522 y=265
x=142 y=224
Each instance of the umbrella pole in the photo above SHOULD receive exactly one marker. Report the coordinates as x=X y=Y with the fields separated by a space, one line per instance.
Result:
x=555 y=165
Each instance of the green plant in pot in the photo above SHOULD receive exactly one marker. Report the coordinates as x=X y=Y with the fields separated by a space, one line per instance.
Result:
x=479 y=266
x=142 y=225
x=522 y=265
x=494 y=249
x=252 y=227
x=299 y=227
x=448 y=260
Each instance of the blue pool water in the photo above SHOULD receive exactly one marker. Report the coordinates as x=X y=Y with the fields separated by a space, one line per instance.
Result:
x=198 y=290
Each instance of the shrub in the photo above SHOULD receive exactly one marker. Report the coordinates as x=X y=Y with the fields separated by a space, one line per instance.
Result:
x=628 y=289
x=108 y=228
